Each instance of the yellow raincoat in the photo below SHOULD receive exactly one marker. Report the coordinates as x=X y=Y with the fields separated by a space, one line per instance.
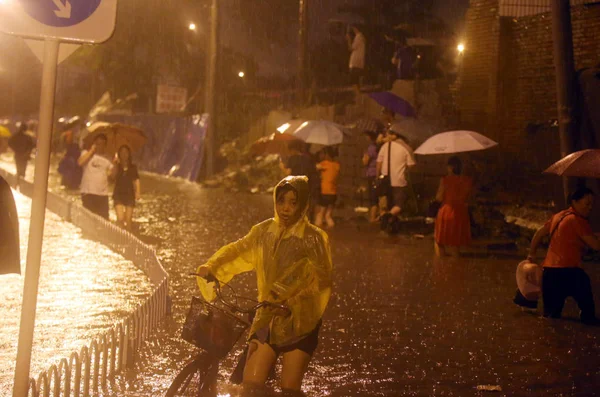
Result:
x=293 y=266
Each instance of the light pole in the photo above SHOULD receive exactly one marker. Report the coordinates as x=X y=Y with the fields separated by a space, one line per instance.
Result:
x=211 y=82
x=565 y=78
x=302 y=49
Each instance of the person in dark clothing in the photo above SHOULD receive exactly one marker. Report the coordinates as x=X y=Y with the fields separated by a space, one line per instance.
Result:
x=300 y=163
x=404 y=60
x=22 y=144
x=68 y=168
x=127 y=187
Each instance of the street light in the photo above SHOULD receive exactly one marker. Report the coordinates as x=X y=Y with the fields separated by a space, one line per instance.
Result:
x=191 y=27
x=460 y=48
x=241 y=74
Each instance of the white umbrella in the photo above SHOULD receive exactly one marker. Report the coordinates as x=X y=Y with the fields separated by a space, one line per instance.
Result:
x=320 y=132
x=455 y=142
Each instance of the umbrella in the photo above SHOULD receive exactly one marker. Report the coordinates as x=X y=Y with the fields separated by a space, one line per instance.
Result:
x=394 y=103
x=585 y=163
x=290 y=126
x=117 y=135
x=320 y=132
x=4 y=132
x=455 y=142
x=273 y=144
x=413 y=130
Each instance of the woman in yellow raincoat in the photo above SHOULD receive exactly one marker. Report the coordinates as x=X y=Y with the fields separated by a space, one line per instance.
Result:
x=293 y=266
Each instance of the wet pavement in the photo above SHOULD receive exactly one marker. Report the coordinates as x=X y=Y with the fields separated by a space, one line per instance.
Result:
x=84 y=289
x=399 y=322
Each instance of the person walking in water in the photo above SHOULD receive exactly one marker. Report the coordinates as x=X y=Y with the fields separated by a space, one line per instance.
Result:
x=127 y=186
x=330 y=170
x=452 y=223
x=570 y=233
x=94 y=182
x=22 y=145
x=292 y=261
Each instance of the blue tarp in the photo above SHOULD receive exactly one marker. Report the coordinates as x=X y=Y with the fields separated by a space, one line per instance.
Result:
x=174 y=146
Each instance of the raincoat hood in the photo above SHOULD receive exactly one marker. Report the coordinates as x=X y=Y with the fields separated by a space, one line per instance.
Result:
x=300 y=186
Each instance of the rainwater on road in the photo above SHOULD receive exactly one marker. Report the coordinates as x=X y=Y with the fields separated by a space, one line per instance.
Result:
x=85 y=288
x=399 y=322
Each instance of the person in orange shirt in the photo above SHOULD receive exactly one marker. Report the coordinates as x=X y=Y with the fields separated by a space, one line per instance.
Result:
x=570 y=233
x=330 y=170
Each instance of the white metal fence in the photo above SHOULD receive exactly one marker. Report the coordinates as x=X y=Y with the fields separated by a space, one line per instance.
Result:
x=89 y=369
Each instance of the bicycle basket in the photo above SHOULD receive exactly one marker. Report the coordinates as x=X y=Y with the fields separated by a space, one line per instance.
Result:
x=212 y=328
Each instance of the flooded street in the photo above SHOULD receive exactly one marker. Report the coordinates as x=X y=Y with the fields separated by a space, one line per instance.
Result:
x=399 y=322
x=85 y=288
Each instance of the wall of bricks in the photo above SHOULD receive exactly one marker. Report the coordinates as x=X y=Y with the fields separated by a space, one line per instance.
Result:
x=507 y=87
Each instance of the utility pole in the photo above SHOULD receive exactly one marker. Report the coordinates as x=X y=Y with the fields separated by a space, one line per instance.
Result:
x=565 y=78
x=302 y=51
x=211 y=87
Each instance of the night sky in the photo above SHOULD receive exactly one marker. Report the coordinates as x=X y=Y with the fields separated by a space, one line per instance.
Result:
x=276 y=55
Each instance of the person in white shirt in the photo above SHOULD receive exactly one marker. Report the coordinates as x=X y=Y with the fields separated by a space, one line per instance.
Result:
x=400 y=158
x=94 y=182
x=356 y=64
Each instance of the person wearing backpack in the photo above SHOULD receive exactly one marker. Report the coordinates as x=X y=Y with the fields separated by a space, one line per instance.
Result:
x=570 y=233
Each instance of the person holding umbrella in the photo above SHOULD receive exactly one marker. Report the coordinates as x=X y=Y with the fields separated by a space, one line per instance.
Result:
x=452 y=223
x=570 y=233
x=94 y=182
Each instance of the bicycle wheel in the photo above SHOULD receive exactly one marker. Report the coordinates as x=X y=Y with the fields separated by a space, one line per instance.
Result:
x=195 y=379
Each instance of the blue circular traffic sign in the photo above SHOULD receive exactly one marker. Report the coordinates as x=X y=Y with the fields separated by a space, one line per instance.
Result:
x=60 y=13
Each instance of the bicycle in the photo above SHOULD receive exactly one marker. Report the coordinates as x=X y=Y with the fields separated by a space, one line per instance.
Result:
x=215 y=330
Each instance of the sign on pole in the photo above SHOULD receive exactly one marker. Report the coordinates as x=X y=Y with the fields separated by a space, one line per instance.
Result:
x=74 y=21
x=54 y=21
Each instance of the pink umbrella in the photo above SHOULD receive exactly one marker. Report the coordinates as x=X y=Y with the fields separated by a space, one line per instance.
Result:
x=584 y=163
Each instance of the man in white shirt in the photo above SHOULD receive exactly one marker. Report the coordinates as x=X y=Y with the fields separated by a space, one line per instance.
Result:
x=357 y=57
x=400 y=158
x=94 y=182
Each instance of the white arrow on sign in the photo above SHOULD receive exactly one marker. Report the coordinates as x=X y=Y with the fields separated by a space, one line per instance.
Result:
x=64 y=10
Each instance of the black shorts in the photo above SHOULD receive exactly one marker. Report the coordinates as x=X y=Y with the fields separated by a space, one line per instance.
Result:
x=308 y=344
x=127 y=201
x=356 y=75
x=327 y=199
x=373 y=197
x=398 y=196
x=97 y=204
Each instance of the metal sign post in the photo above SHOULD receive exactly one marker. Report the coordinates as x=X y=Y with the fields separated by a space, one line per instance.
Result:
x=38 y=215
x=54 y=21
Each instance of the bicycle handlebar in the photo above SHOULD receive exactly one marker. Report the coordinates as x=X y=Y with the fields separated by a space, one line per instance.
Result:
x=210 y=278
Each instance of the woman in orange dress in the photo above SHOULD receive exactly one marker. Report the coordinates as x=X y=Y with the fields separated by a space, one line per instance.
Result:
x=452 y=224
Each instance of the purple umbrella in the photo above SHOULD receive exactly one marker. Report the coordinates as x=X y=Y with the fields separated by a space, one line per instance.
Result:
x=393 y=102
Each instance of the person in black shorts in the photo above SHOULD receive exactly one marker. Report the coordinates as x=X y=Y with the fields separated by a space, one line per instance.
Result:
x=292 y=261
x=127 y=186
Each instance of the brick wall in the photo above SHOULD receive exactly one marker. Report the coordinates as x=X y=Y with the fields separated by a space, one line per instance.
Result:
x=529 y=78
x=479 y=66
x=507 y=87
